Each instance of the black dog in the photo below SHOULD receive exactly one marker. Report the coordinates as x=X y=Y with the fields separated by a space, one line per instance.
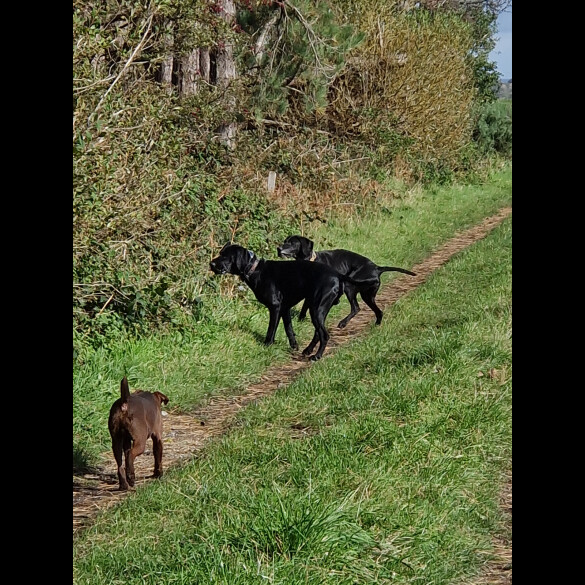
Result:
x=347 y=263
x=279 y=285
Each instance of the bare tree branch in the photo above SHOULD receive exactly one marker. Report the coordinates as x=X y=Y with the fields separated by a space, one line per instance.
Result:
x=265 y=31
x=133 y=56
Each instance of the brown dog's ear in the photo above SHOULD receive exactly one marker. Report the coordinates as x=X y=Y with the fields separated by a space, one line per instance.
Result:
x=161 y=397
x=306 y=247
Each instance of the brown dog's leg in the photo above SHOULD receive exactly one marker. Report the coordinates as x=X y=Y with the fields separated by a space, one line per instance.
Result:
x=131 y=454
x=157 y=448
x=118 y=452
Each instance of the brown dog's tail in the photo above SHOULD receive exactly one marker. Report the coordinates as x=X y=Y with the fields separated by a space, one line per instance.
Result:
x=394 y=269
x=124 y=389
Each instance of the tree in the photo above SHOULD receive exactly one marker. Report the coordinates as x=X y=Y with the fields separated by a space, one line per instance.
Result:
x=298 y=49
x=226 y=71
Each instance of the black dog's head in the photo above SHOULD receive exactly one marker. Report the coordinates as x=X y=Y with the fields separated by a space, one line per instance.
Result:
x=297 y=247
x=232 y=259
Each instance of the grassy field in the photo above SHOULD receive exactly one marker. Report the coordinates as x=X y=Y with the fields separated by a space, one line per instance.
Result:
x=382 y=463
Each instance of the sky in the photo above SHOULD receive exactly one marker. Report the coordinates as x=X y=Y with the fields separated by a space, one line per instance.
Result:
x=502 y=53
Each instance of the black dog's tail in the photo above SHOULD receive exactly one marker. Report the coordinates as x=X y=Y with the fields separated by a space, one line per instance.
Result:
x=124 y=389
x=394 y=269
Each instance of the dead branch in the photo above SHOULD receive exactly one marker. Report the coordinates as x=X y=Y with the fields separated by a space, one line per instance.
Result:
x=133 y=56
x=265 y=31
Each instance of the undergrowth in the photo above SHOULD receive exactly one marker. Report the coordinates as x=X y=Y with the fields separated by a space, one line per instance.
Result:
x=339 y=100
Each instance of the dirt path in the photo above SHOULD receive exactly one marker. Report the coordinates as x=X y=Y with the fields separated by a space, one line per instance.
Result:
x=185 y=434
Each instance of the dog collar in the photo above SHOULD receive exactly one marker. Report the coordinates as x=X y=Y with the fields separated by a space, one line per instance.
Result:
x=313 y=257
x=253 y=267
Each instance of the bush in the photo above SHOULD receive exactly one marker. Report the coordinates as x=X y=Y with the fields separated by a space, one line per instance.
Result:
x=493 y=130
x=369 y=89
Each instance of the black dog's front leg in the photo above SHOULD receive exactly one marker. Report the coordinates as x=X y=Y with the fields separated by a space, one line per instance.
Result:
x=272 y=325
x=287 y=320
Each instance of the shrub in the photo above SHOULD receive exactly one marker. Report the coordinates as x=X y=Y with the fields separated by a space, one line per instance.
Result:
x=493 y=129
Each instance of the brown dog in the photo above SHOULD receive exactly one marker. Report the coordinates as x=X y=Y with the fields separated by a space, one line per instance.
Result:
x=133 y=419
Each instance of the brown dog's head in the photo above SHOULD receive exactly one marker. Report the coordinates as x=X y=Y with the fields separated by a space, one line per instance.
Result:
x=125 y=395
x=297 y=247
x=160 y=397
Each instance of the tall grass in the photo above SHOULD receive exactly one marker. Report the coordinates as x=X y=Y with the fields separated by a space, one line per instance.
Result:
x=381 y=463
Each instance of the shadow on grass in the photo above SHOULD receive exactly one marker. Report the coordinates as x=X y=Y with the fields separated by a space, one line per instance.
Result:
x=81 y=462
x=260 y=336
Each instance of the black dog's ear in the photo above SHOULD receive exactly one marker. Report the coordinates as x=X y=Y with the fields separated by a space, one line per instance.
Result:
x=225 y=246
x=306 y=247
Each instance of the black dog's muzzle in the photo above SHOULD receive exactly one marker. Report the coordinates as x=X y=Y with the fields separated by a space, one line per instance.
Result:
x=214 y=267
x=283 y=252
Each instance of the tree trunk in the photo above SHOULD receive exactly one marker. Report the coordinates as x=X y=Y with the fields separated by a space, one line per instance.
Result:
x=166 y=67
x=205 y=65
x=189 y=73
x=166 y=71
x=226 y=73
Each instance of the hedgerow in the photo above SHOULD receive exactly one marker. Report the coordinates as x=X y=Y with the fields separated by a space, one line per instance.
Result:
x=338 y=97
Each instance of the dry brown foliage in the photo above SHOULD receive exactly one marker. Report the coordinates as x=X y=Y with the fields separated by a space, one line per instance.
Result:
x=410 y=77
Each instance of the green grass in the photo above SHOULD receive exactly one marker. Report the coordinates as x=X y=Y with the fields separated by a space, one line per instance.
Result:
x=381 y=463
x=400 y=231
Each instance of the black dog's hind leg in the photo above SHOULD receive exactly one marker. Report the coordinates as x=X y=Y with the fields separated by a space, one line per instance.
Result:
x=369 y=298
x=309 y=349
x=323 y=336
x=351 y=295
